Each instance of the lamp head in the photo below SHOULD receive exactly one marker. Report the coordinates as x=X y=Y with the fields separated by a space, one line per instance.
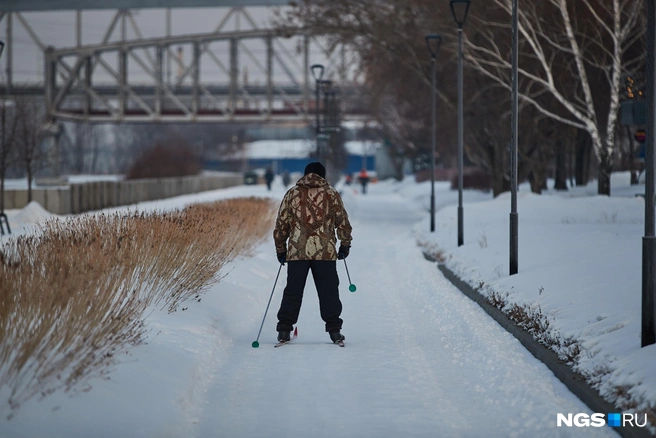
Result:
x=317 y=71
x=459 y=9
x=433 y=42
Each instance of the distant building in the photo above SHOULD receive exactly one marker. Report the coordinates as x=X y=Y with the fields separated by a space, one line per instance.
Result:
x=293 y=156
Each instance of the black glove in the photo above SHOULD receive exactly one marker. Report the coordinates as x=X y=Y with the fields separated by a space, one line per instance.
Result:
x=282 y=256
x=343 y=252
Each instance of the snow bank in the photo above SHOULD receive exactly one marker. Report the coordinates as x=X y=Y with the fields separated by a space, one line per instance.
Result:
x=32 y=213
x=580 y=265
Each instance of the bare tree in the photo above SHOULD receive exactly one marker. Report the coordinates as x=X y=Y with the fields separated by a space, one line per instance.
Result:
x=572 y=52
x=393 y=64
x=394 y=67
x=131 y=141
x=30 y=132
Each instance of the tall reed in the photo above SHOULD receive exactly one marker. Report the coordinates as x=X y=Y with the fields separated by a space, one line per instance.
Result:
x=75 y=293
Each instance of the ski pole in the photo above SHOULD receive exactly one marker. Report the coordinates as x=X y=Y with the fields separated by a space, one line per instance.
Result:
x=255 y=343
x=352 y=287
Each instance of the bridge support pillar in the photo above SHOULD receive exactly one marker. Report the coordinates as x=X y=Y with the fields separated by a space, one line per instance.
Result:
x=234 y=73
x=159 y=86
x=195 y=98
x=122 y=81
x=50 y=82
x=269 y=72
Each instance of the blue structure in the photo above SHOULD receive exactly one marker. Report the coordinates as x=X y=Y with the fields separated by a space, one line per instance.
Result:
x=354 y=164
x=290 y=155
x=278 y=164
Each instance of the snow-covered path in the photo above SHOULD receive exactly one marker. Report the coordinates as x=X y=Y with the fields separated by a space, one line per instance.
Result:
x=421 y=359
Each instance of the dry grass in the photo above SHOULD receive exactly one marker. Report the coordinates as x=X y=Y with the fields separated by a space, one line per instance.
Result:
x=431 y=252
x=74 y=295
x=532 y=320
x=569 y=351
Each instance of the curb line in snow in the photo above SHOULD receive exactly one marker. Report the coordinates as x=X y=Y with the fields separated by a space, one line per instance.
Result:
x=571 y=379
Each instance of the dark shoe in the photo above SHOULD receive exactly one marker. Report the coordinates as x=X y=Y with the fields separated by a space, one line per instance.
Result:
x=284 y=337
x=336 y=337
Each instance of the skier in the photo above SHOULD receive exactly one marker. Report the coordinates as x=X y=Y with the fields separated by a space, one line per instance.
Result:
x=364 y=180
x=309 y=215
x=286 y=178
x=268 y=176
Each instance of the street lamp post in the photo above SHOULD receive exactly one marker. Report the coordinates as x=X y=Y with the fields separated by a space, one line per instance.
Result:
x=459 y=9
x=433 y=42
x=648 y=334
x=3 y=216
x=514 y=117
x=328 y=127
x=317 y=72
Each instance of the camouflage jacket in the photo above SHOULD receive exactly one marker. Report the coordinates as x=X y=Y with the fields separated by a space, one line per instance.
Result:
x=309 y=215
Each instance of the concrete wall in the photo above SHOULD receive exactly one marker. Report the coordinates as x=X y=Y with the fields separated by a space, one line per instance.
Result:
x=79 y=198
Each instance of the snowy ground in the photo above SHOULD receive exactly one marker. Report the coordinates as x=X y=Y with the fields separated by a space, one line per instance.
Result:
x=580 y=263
x=421 y=359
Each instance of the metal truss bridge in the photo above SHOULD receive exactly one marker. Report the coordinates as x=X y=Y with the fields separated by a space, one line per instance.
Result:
x=237 y=72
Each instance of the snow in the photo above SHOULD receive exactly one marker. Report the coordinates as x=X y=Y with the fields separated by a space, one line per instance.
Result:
x=421 y=359
x=79 y=179
x=30 y=214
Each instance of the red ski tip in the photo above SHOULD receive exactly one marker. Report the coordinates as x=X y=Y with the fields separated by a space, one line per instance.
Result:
x=295 y=331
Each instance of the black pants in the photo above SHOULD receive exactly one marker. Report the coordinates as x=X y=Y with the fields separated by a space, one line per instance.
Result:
x=326 y=280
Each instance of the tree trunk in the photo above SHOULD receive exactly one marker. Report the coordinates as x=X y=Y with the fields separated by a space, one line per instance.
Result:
x=500 y=184
x=29 y=182
x=498 y=176
x=561 y=166
x=2 y=191
x=571 y=154
x=78 y=150
x=397 y=163
x=535 y=181
x=94 y=158
x=605 y=169
x=398 y=173
x=3 y=151
x=582 y=165
x=631 y=158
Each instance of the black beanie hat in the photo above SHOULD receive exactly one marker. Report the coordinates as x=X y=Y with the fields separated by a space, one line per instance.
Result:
x=316 y=167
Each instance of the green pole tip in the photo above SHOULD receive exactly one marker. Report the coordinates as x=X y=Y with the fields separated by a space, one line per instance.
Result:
x=255 y=344
x=352 y=288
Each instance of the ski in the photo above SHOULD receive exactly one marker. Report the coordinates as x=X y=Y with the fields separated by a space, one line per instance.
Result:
x=340 y=339
x=281 y=343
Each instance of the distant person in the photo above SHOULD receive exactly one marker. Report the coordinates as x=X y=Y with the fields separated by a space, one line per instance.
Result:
x=348 y=180
x=364 y=179
x=286 y=178
x=268 y=176
x=310 y=215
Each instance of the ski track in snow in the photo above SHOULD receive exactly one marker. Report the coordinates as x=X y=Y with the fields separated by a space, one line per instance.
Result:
x=421 y=360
